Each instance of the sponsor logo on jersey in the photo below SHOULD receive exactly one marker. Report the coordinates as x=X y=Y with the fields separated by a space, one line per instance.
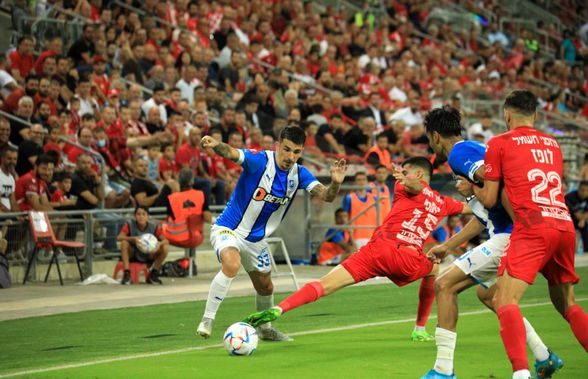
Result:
x=261 y=194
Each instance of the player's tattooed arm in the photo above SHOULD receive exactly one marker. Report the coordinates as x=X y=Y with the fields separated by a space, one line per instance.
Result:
x=220 y=148
x=328 y=194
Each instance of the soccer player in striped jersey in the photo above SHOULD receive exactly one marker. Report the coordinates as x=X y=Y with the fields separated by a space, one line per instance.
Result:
x=264 y=193
x=479 y=265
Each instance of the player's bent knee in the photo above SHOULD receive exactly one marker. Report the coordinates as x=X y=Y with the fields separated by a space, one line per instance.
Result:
x=442 y=285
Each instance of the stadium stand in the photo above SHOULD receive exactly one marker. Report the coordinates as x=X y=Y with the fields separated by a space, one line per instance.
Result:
x=107 y=79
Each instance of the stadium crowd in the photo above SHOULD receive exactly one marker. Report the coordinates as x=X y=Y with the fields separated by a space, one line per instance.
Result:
x=140 y=88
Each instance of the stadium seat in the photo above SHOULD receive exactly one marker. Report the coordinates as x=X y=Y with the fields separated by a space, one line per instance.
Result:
x=44 y=238
x=135 y=268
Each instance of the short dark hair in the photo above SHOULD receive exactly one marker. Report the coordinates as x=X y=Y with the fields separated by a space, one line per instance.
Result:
x=445 y=120
x=146 y=209
x=340 y=210
x=420 y=162
x=44 y=159
x=293 y=133
x=64 y=175
x=584 y=183
x=186 y=179
x=379 y=166
x=521 y=101
x=359 y=173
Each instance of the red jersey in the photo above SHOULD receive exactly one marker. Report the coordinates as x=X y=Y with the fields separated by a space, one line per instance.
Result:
x=58 y=196
x=28 y=184
x=188 y=155
x=23 y=63
x=167 y=166
x=530 y=164
x=413 y=217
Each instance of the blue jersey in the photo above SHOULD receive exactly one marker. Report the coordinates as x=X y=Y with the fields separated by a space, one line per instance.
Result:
x=465 y=159
x=263 y=195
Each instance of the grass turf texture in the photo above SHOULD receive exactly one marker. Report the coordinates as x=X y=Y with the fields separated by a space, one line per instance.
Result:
x=374 y=351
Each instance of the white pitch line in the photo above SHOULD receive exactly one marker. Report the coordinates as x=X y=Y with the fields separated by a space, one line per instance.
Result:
x=196 y=348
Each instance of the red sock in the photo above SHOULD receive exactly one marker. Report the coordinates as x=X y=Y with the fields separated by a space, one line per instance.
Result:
x=578 y=320
x=310 y=292
x=426 y=299
x=512 y=331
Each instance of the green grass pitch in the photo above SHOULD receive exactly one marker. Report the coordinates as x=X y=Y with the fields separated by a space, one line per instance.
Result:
x=371 y=338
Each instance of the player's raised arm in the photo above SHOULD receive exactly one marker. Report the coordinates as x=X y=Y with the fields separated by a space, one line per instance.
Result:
x=220 y=148
x=328 y=194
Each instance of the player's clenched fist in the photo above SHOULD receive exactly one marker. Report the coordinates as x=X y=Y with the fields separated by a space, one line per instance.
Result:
x=208 y=142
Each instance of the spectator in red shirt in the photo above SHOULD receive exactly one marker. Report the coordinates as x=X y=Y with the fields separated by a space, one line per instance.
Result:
x=255 y=137
x=55 y=48
x=21 y=60
x=85 y=139
x=31 y=189
x=60 y=198
x=167 y=163
x=30 y=89
x=101 y=79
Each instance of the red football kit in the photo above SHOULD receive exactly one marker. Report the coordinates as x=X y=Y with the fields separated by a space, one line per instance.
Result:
x=530 y=165
x=28 y=184
x=396 y=247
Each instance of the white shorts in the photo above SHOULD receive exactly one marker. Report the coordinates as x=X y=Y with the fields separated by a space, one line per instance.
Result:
x=481 y=263
x=255 y=256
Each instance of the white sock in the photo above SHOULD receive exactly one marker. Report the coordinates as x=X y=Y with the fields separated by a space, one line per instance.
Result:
x=219 y=288
x=521 y=374
x=262 y=303
x=534 y=342
x=445 y=340
x=419 y=328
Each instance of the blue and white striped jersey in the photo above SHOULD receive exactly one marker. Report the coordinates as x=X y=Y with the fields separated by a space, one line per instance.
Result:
x=263 y=195
x=465 y=159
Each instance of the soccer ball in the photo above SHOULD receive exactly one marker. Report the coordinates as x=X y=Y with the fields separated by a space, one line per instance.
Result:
x=148 y=242
x=240 y=339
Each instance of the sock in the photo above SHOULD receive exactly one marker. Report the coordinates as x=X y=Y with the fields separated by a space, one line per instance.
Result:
x=419 y=328
x=262 y=303
x=219 y=288
x=534 y=342
x=426 y=299
x=512 y=331
x=445 y=340
x=310 y=292
x=521 y=374
x=578 y=320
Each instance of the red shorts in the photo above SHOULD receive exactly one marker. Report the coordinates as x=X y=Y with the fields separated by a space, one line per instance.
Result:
x=401 y=264
x=549 y=251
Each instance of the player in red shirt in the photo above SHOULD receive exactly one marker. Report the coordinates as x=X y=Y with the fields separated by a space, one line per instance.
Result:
x=530 y=165
x=30 y=190
x=395 y=249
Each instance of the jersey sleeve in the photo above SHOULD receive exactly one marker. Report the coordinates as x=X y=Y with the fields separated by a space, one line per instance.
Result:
x=307 y=181
x=452 y=206
x=158 y=232
x=440 y=234
x=465 y=160
x=347 y=203
x=125 y=229
x=493 y=159
x=252 y=160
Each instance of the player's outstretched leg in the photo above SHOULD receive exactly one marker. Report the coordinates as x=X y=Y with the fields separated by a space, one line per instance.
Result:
x=336 y=279
x=546 y=361
x=219 y=288
x=426 y=299
x=264 y=299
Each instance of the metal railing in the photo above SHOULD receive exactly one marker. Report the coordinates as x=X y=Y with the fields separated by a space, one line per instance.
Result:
x=97 y=228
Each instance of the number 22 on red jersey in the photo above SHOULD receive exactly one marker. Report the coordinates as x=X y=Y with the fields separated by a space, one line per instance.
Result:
x=530 y=164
